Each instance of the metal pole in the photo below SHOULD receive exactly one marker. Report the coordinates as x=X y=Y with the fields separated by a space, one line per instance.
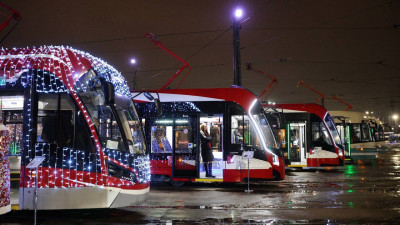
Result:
x=134 y=78
x=318 y=161
x=248 y=176
x=237 y=77
x=35 y=195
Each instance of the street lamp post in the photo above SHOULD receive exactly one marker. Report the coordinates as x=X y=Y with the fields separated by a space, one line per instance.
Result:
x=395 y=117
x=237 y=76
x=134 y=82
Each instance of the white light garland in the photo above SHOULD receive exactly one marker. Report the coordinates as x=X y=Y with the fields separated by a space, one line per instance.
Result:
x=53 y=71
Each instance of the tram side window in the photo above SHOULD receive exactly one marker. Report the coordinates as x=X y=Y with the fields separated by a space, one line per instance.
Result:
x=320 y=136
x=341 y=130
x=163 y=132
x=237 y=132
x=13 y=121
x=280 y=137
x=161 y=139
x=243 y=132
x=47 y=118
x=366 y=134
x=356 y=134
x=83 y=140
x=56 y=122
x=380 y=134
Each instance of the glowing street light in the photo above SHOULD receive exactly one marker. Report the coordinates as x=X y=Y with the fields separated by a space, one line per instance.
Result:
x=369 y=114
x=237 y=77
x=238 y=13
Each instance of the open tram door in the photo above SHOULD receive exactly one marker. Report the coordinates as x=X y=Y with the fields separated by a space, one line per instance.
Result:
x=214 y=125
x=296 y=139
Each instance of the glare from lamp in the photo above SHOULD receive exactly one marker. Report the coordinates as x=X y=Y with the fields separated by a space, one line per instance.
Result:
x=238 y=13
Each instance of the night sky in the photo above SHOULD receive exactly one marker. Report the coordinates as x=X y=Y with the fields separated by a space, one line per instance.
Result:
x=345 y=48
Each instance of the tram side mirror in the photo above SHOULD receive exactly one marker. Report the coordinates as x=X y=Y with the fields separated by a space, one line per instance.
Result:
x=109 y=93
x=157 y=102
x=148 y=96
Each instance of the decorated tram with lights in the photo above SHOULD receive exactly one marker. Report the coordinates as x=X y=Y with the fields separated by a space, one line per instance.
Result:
x=75 y=111
x=308 y=136
x=235 y=122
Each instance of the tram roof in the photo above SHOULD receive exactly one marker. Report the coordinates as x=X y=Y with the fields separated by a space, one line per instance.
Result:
x=355 y=117
x=67 y=63
x=242 y=96
x=319 y=110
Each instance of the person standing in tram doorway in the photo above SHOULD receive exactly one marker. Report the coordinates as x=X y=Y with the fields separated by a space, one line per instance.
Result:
x=206 y=151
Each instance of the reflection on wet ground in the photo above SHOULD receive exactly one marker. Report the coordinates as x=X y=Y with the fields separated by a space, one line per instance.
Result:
x=366 y=192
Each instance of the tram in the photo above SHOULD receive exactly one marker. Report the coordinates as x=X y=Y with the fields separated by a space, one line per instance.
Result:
x=75 y=112
x=308 y=137
x=361 y=134
x=237 y=127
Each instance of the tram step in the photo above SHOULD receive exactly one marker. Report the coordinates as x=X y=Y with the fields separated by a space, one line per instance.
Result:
x=208 y=180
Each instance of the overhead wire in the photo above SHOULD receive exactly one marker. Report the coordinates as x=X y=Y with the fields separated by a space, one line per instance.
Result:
x=141 y=37
x=164 y=69
x=322 y=28
x=218 y=36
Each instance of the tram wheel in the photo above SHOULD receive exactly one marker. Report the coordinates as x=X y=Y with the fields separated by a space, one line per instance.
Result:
x=177 y=183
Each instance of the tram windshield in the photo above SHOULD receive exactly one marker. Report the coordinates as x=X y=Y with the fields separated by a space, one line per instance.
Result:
x=261 y=120
x=114 y=122
x=130 y=123
x=332 y=128
x=260 y=127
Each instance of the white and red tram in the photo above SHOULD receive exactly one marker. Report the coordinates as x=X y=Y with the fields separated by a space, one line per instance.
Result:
x=309 y=137
x=236 y=124
x=78 y=113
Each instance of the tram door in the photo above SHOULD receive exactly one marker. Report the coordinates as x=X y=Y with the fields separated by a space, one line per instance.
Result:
x=185 y=145
x=297 y=143
x=213 y=123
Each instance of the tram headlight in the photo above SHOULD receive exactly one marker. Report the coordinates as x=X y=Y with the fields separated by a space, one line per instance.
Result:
x=340 y=152
x=275 y=160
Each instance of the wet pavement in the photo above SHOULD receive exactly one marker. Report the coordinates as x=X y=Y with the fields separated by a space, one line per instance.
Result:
x=366 y=192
